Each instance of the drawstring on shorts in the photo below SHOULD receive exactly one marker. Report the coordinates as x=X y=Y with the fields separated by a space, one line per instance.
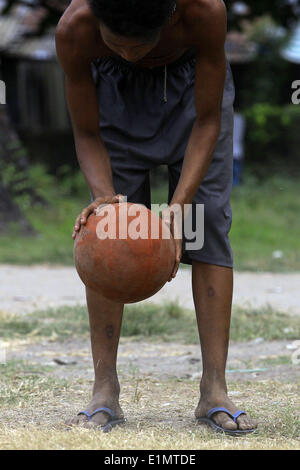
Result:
x=165 y=98
x=108 y=63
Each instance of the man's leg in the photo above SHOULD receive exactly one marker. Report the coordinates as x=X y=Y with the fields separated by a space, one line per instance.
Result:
x=212 y=291
x=105 y=324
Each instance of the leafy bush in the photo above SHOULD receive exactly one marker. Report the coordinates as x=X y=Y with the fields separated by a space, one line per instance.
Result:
x=273 y=137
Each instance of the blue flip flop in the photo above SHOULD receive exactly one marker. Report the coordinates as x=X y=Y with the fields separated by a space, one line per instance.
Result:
x=208 y=420
x=114 y=421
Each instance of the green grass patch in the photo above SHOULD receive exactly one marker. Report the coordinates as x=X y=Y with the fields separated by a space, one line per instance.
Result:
x=248 y=324
x=265 y=220
x=275 y=361
x=60 y=323
x=53 y=240
x=166 y=322
x=21 y=381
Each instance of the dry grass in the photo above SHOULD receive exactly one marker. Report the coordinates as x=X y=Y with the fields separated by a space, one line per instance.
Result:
x=36 y=398
x=156 y=438
x=160 y=415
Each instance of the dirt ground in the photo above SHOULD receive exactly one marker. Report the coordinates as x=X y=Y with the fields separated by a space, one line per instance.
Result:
x=159 y=381
x=24 y=289
x=159 y=392
x=160 y=415
x=250 y=361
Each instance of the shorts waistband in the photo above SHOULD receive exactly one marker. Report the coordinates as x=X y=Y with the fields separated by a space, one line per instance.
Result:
x=118 y=63
x=122 y=64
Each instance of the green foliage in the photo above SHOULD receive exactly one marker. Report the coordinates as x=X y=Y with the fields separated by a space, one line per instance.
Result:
x=279 y=10
x=47 y=187
x=72 y=183
x=273 y=136
x=267 y=80
x=263 y=121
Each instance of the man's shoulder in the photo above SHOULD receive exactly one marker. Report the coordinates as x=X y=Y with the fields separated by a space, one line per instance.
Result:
x=205 y=24
x=77 y=28
x=202 y=11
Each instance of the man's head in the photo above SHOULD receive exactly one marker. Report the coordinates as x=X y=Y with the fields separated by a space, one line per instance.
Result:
x=132 y=27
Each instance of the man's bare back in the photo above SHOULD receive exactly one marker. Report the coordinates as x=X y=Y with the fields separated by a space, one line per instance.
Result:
x=176 y=37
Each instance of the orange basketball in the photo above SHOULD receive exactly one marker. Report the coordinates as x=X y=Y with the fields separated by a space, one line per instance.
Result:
x=125 y=252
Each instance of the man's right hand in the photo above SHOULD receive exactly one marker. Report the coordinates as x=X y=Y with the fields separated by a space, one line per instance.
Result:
x=92 y=209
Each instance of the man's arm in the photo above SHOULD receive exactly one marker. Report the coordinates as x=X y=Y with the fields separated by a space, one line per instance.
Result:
x=207 y=23
x=83 y=106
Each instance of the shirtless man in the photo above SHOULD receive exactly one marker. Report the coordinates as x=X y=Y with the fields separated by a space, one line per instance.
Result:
x=147 y=83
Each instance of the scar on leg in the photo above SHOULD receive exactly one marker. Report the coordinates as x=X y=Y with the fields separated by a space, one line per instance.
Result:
x=109 y=331
x=211 y=292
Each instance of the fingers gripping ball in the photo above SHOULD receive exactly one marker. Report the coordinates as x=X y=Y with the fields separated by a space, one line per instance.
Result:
x=125 y=252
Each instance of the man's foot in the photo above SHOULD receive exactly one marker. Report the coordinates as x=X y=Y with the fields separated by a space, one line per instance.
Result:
x=101 y=418
x=212 y=400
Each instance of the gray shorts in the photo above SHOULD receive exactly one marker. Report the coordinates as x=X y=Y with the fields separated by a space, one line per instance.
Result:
x=146 y=118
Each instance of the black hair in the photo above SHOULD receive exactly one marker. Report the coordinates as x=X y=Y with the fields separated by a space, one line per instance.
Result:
x=141 y=19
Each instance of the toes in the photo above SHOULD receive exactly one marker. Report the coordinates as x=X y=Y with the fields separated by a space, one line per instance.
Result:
x=81 y=419
x=223 y=420
x=91 y=424
x=245 y=422
x=77 y=420
x=100 y=419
